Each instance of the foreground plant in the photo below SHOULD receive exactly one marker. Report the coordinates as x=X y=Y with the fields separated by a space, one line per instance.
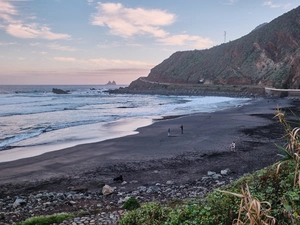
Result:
x=251 y=210
x=131 y=203
x=291 y=152
x=46 y=220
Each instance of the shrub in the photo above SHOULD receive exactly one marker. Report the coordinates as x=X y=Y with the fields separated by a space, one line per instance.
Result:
x=131 y=204
x=148 y=214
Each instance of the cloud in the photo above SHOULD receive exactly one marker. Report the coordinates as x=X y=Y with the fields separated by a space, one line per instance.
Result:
x=56 y=46
x=105 y=63
x=107 y=44
x=65 y=59
x=230 y=2
x=34 y=44
x=127 y=22
x=7 y=10
x=272 y=5
x=9 y=16
x=184 y=39
x=34 y=31
x=7 y=43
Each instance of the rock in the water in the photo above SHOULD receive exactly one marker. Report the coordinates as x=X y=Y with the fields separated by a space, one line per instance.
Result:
x=59 y=91
x=111 y=83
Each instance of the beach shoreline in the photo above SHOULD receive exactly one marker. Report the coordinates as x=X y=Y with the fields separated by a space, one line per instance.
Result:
x=206 y=136
x=94 y=133
x=177 y=165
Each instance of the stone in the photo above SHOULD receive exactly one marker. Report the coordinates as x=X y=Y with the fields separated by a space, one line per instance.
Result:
x=153 y=189
x=211 y=173
x=142 y=188
x=219 y=184
x=107 y=190
x=19 y=202
x=216 y=176
x=79 y=189
x=170 y=182
x=205 y=178
x=46 y=204
x=225 y=172
x=133 y=182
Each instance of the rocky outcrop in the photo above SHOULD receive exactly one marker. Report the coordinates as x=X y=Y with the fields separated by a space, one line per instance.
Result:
x=267 y=56
x=59 y=91
x=111 y=83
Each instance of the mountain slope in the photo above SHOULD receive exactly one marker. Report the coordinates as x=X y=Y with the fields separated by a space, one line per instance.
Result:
x=267 y=56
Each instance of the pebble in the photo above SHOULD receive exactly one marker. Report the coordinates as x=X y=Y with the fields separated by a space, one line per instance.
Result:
x=95 y=208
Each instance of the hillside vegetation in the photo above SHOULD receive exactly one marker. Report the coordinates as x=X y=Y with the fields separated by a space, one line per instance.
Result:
x=267 y=56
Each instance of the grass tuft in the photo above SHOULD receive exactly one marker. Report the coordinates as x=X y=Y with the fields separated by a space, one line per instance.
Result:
x=46 y=220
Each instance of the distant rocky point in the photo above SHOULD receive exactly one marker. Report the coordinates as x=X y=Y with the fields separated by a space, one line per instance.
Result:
x=60 y=91
x=111 y=83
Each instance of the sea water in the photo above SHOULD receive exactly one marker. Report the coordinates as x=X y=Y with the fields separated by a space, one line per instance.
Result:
x=34 y=120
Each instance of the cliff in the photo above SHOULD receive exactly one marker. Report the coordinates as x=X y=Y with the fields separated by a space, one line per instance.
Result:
x=267 y=56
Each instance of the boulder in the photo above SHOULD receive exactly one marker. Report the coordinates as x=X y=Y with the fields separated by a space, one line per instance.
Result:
x=107 y=190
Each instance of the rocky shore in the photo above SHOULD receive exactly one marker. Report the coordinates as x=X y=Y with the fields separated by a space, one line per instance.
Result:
x=104 y=206
x=154 y=167
x=142 y=86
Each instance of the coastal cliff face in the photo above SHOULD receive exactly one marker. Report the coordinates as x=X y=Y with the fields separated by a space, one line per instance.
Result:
x=267 y=56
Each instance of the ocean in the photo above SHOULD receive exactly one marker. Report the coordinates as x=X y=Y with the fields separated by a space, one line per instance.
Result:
x=34 y=120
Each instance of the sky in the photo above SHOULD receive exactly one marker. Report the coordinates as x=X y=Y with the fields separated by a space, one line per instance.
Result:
x=93 y=41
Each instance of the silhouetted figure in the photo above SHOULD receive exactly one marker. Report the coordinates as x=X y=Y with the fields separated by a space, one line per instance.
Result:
x=169 y=132
x=119 y=178
x=181 y=127
x=232 y=146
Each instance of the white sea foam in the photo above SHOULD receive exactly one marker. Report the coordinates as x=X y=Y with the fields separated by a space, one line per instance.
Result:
x=33 y=119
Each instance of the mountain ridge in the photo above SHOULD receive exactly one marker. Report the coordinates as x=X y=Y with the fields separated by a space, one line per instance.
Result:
x=268 y=56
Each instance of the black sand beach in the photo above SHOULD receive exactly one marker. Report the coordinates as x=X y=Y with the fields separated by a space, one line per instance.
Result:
x=204 y=146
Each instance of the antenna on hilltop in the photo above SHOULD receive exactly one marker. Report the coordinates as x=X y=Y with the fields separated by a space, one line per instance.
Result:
x=224 y=36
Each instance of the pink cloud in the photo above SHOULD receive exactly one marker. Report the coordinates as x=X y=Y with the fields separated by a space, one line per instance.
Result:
x=127 y=22
x=34 y=31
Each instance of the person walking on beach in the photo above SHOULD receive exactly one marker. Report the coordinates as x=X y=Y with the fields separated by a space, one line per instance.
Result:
x=232 y=146
x=169 y=132
x=181 y=127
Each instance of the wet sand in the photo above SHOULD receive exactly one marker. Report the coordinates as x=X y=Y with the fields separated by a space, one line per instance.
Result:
x=203 y=146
